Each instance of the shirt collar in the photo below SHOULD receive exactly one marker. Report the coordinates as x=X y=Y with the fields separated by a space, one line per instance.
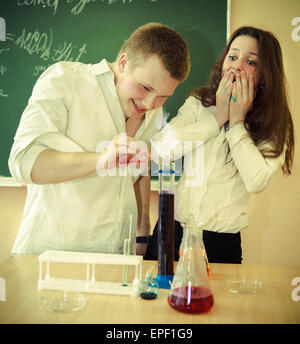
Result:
x=101 y=68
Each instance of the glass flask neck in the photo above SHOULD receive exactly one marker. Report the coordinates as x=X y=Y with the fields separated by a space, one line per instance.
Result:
x=192 y=235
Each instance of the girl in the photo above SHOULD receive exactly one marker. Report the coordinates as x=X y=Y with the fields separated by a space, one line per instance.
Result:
x=244 y=121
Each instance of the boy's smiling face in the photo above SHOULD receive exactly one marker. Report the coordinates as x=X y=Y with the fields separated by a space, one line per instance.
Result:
x=143 y=88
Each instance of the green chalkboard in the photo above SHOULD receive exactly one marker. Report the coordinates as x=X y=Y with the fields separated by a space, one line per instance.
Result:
x=37 y=33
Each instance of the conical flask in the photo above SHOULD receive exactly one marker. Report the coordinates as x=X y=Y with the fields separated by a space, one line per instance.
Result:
x=190 y=291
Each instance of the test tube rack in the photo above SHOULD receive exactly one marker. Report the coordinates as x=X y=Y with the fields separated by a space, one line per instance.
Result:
x=89 y=284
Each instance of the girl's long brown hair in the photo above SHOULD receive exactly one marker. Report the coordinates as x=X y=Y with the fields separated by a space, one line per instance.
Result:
x=269 y=120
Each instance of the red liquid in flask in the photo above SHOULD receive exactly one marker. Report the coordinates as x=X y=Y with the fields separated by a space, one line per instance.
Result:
x=191 y=299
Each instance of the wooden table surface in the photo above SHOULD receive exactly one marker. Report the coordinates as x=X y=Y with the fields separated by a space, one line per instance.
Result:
x=273 y=304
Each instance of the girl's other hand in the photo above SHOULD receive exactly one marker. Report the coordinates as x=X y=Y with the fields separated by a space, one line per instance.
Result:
x=241 y=98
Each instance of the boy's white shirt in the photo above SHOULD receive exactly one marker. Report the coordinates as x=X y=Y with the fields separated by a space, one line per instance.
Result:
x=73 y=108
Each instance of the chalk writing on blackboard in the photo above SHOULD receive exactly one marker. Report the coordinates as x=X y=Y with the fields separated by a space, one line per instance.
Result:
x=10 y=36
x=45 y=4
x=36 y=42
x=78 y=7
x=3 y=69
x=64 y=51
x=39 y=69
x=4 y=50
x=2 y=94
x=41 y=44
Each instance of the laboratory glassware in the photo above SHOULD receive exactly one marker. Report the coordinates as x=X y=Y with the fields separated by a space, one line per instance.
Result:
x=166 y=174
x=149 y=289
x=190 y=291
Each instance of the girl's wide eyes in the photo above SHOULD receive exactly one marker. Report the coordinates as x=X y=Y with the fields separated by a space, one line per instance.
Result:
x=250 y=62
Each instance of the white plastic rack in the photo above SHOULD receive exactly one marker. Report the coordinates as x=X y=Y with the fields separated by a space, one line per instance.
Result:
x=89 y=284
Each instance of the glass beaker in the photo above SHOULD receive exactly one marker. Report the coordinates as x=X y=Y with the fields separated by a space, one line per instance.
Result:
x=190 y=291
x=166 y=223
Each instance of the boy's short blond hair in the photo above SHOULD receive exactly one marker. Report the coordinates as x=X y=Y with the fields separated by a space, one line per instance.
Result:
x=160 y=40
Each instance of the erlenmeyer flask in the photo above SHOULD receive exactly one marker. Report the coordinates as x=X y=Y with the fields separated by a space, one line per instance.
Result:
x=190 y=291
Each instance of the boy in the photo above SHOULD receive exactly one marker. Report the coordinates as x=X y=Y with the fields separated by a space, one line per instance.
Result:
x=73 y=108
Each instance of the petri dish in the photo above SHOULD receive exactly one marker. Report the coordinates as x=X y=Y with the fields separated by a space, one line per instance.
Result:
x=243 y=285
x=60 y=301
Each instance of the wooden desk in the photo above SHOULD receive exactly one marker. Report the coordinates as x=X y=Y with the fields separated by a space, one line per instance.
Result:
x=273 y=304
